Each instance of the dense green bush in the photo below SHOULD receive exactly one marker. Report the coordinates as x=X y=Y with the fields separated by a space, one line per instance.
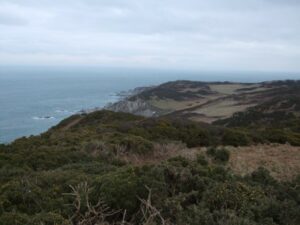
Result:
x=120 y=189
x=235 y=138
x=233 y=195
x=38 y=219
x=136 y=144
x=219 y=155
x=202 y=160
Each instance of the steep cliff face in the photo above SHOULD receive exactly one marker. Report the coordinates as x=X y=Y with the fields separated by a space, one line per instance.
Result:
x=136 y=106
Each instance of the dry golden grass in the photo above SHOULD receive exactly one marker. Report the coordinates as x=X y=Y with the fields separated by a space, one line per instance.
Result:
x=283 y=161
x=169 y=104
x=228 y=89
x=173 y=105
x=220 y=109
x=209 y=108
x=256 y=89
x=161 y=152
x=191 y=89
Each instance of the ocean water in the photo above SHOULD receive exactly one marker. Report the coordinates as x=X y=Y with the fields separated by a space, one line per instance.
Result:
x=32 y=99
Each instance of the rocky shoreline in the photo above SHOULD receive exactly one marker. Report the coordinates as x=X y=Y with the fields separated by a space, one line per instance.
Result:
x=137 y=107
x=124 y=104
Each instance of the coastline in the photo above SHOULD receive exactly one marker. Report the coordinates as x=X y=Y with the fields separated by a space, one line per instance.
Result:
x=58 y=115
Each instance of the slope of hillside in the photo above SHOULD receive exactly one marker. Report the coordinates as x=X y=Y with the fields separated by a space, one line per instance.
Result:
x=277 y=118
x=116 y=168
x=282 y=107
x=201 y=101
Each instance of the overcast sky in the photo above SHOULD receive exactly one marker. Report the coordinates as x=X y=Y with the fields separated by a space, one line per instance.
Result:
x=183 y=34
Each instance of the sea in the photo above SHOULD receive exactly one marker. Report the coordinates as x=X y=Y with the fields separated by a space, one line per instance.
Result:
x=33 y=99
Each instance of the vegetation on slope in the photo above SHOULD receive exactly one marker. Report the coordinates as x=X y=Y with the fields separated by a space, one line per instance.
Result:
x=177 y=90
x=73 y=174
x=204 y=101
x=278 y=120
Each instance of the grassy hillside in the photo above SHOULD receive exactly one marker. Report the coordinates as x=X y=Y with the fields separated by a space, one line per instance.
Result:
x=118 y=168
x=277 y=119
x=204 y=101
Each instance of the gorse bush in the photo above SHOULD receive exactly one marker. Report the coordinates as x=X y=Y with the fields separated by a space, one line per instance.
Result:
x=136 y=144
x=42 y=177
x=235 y=138
x=41 y=218
x=184 y=191
x=219 y=155
x=202 y=160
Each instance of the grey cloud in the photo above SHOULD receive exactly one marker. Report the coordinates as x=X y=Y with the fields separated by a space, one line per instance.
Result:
x=199 y=34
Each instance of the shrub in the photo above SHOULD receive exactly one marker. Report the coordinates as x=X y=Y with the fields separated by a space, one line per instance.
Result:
x=211 y=151
x=136 y=144
x=98 y=149
x=235 y=138
x=232 y=195
x=276 y=136
x=121 y=188
x=219 y=155
x=49 y=219
x=222 y=155
x=14 y=218
x=201 y=160
x=262 y=176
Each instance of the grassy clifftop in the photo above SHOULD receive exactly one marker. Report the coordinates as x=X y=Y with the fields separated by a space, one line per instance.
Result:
x=204 y=101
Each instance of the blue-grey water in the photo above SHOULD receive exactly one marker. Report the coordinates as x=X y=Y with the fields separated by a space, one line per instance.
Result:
x=32 y=99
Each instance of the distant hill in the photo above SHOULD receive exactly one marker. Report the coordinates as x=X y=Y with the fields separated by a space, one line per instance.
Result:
x=205 y=101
